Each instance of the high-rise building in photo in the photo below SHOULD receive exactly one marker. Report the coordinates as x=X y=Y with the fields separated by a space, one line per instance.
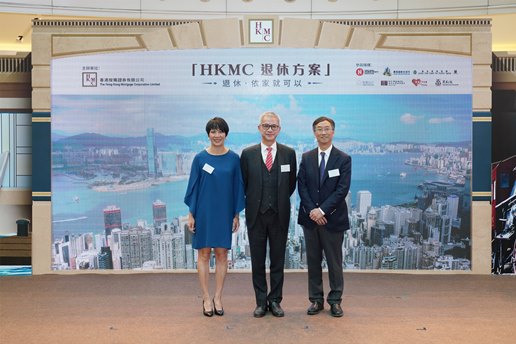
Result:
x=116 y=248
x=112 y=219
x=453 y=206
x=152 y=161
x=364 y=201
x=105 y=258
x=163 y=249
x=159 y=213
x=136 y=247
x=371 y=221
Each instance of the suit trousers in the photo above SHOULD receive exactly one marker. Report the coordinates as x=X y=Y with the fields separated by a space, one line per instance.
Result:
x=319 y=240
x=267 y=229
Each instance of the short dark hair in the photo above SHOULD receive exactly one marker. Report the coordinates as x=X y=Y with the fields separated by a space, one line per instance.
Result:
x=322 y=119
x=217 y=123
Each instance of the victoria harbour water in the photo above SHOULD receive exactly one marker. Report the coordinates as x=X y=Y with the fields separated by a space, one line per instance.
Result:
x=77 y=209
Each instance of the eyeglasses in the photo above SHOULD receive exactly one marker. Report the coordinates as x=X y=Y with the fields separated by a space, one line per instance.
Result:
x=266 y=127
x=323 y=129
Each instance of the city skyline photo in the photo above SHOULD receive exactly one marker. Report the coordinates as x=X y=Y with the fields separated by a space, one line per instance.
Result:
x=126 y=127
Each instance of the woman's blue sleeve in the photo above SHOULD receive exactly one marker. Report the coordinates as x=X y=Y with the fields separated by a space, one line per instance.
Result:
x=192 y=191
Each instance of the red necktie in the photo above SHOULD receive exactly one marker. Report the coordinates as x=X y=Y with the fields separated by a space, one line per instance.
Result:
x=268 y=159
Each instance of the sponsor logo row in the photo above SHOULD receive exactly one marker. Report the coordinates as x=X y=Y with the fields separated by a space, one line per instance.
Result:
x=413 y=78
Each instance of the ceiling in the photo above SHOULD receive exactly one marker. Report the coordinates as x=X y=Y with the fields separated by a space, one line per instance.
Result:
x=12 y=26
x=16 y=32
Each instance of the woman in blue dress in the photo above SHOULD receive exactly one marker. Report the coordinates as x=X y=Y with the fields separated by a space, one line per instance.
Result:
x=215 y=197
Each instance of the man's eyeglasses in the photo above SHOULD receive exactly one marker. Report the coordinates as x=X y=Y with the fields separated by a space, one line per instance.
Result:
x=266 y=127
x=323 y=129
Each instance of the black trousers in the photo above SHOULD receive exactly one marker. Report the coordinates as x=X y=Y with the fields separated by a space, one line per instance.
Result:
x=267 y=229
x=319 y=240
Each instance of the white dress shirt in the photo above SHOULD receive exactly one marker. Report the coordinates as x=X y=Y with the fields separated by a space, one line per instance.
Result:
x=273 y=151
x=326 y=155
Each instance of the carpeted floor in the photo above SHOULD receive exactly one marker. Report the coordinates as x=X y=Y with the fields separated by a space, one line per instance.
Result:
x=166 y=308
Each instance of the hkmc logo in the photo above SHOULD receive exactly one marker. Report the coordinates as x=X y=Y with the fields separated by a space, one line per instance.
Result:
x=260 y=31
x=89 y=79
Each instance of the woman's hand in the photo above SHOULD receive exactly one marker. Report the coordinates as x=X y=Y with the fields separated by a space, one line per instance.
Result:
x=236 y=223
x=191 y=223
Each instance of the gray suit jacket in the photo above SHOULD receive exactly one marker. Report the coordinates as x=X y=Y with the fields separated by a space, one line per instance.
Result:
x=251 y=164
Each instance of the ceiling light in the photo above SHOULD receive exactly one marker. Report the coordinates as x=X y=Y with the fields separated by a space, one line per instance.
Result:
x=19 y=38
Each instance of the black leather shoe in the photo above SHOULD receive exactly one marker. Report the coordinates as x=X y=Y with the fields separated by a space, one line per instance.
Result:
x=315 y=308
x=336 y=311
x=208 y=313
x=219 y=312
x=276 y=309
x=259 y=311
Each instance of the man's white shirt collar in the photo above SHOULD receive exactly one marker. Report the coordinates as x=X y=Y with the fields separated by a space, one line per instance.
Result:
x=326 y=152
x=273 y=152
x=264 y=147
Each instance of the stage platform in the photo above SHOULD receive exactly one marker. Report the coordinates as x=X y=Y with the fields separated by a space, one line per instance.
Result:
x=166 y=308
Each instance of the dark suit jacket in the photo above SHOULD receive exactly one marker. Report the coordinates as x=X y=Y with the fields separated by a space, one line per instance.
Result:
x=251 y=164
x=330 y=196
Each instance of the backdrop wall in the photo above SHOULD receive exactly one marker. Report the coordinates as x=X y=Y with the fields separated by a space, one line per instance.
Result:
x=468 y=38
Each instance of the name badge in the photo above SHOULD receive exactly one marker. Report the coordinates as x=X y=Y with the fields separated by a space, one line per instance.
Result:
x=285 y=168
x=334 y=173
x=208 y=168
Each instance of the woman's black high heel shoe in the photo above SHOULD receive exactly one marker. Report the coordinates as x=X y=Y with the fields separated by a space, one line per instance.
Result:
x=205 y=312
x=219 y=312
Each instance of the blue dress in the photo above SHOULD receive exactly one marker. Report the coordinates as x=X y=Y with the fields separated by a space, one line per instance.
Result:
x=215 y=194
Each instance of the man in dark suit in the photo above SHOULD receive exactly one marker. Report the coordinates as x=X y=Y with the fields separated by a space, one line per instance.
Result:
x=269 y=173
x=323 y=183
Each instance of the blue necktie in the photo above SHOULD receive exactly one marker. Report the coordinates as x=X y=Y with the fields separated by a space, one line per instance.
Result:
x=322 y=166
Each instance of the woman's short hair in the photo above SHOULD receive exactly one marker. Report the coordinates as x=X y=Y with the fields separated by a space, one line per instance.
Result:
x=217 y=123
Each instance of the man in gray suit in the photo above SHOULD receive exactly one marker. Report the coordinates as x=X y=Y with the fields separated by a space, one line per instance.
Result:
x=323 y=183
x=269 y=174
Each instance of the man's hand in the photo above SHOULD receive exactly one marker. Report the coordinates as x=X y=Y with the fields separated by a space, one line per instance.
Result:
x=318 y=217
x=322 y=221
